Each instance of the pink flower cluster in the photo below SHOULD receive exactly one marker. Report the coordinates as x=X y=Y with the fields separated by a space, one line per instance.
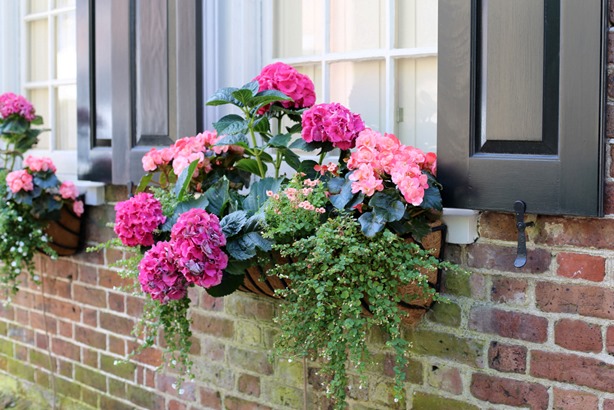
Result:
x=12 y=104
x=137 y=218
x=379 y=157
x=183 y=152
x=39 y=164
x=331 y=123
x=285 y=78
x=299 y=197
x=197 y=239
x=159 y=276
x=68 y=190
x=18 y=180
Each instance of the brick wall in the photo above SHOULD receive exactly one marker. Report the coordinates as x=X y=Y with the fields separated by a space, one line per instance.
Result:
x=540 y=337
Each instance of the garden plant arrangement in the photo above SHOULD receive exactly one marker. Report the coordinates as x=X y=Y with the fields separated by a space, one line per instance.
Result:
x=343 y=232
x=32 y=196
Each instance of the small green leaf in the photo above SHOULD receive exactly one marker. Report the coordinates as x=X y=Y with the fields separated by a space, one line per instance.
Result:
x=223 y=96
x=241 y=250
x=232 y=223
x=303 y=145
x=238 y=267
x=257 y=193
x=230 y=124
x=262 y=125
x=280 y=140
x=387 y=205
x=46 y=180
x=183 y=182
x=258 y=241
x=344 y=196
x=432 y=195
x=230 y=283
x=291 y=158
x=235 y=139
x=218 y=196
x=267 y=97
x=144 y=182
x=252 y=86
x=243 y=96
x=249 y=165
x=371 y=224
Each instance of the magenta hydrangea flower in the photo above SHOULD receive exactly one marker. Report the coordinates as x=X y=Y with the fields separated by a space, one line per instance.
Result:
x=285 y=78
x=197 y=239
x=159 y=276
x=137 y=218
x=18 y=180
x=13 y=104
x=332 y=123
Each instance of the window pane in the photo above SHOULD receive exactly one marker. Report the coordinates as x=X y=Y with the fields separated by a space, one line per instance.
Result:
x=40 y=99
x=298 y=27
x=64 y=3
x=314 y=72
x=66 y=59
x=37 y=6
x=416 y=23
x=357 y=25
x=361 y=87
x=38 y=50
x=416 y=113
x=66 y=118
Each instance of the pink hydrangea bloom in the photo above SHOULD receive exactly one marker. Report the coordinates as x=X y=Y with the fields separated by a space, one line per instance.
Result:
x=12 y=104
x=285 y=78
x=68 y=190
x=159 y=275
x=155 y=158
x=197 y=239
x=77 y=208
x=137 y=218
x=39 y=164
x=382 y=157
x=331 y=123
x=18 y=180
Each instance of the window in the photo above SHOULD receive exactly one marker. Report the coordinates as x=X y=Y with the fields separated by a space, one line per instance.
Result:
x=521 y=104
x=49 y=76
x=378 y=57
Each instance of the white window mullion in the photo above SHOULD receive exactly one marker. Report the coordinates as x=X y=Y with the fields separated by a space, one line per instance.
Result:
x=389 y=67
x=325 y=51
x=51 y=75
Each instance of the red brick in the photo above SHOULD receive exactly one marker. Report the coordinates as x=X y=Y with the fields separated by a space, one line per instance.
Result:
x=573 y=369
x=65 y=329
x=574 y=400
x=114 y=255
x=584 y=300
x=608 y=405
x=609 y=340
x=507 y=358
x=208 y=302
x=65 y=349
x=175 y=405
x=609 y=123
x=134 y=305
x=578 y=266
x=90 y=317
x=210 y=398
x=117 y=302
x=37 y=321
x=150 y=356
x=213 y=325
x=115 y=323
x=88 y=274
x=499 y=226
x=117 y=345
x=501 y=258
x=110 y=279
x=213 y=349
x=64 y=310
x=90 y=296
x=90 y=358
x=515 y=325
x=509 y=290
x=22 y=316
x=578 y=335
x=58 y=287
x=235 y=403
x=61 y=268
x=498 y=390
x=608 y=195
x=90 y=337
x=249 y=385
x=576 y=232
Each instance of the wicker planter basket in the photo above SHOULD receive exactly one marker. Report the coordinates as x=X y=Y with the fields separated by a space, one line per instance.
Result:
x=65 y=233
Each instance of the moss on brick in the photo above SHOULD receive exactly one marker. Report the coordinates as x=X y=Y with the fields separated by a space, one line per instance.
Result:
x=457 y=284
x=290 y=373
x=249 y=333
x=110 y=403
x=140 y=396
x=448 y=314
x=287 y=396
x=68 y=388
x=117 y=388
x=6 y=347
x=90 y=397
x=447 y=346
x=424 y=401
x=40 y=359
x=91 y=378
x=21 y=370
x=112 y=365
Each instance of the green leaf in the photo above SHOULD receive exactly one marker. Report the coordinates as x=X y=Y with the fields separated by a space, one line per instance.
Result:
x=183 y=182
x=344 y=196
x=307 y=168
x=238 y=267
x=432 y=195
x=303 y=146
x=258 y=241
x=235 y=139
x=232 y=223
x=295 y=129
x=230 y=124
x=243 y=96
x=38 y=120
x=144 y=182
x=249 y=165
x=218 y=196
x=371 y=224
x=262 y=125
x=267 y=97
x=252 y=86
x=241 y=250
x=291 y=158
x=46 y=180
x=387 y=205
x=280 y=140
x=230 y=283
x=223 y=96
x=257 y=194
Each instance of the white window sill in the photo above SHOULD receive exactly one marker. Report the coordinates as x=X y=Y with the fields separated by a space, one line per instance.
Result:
x=92 y=191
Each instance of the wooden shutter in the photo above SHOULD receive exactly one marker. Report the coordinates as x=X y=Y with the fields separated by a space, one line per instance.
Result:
x=138 y=81
x=521 y=99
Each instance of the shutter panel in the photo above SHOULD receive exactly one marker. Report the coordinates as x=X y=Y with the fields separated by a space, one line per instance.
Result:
x=141 y=82
x=521 y=100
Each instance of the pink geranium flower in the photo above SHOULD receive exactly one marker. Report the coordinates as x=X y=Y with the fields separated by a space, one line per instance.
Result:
x=39 y=164
x=285 y=78
x=68 y=190
x=331 y=123
x=197 y=240
x=12 y=104
x=77 y=208
x=159 y=276
x=137 y=218
x=18 y=180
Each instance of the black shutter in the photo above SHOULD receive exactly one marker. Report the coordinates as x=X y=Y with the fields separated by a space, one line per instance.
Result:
x=520 y=104
x=138 y=81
